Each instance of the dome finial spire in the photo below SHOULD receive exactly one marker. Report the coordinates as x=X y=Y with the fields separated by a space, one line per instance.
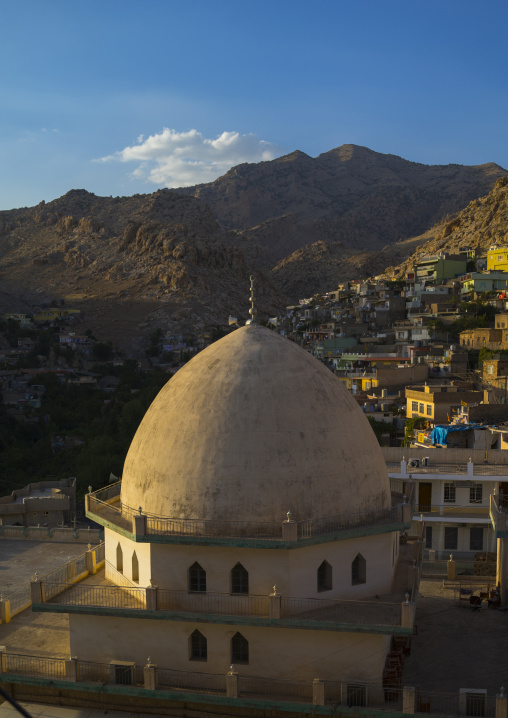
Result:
x=252 y=310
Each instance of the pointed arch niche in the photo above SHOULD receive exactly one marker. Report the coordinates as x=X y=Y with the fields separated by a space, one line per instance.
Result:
x=358 y=570
x=119 y=559
x=135 y=568
x=324 y=577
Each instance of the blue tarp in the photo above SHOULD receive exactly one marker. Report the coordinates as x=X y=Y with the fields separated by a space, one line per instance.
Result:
x=439 y=434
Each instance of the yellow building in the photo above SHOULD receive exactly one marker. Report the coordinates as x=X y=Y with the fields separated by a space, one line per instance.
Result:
x=439 y=403
x=51 y=313
x=497 y=258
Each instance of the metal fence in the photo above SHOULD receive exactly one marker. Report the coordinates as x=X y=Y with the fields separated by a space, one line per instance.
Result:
x=440 y=568
x=354 y=694
x=106 y=504
x=294 y=691
x=71 y=594
x=472 y=703
x=35 y=667
x=466 y=510
x=306 y=609
x=340 y=693
x=100 y=553
x=337 y=611
x=214 y=603
x=196 y=682
x=195 y=527
x=325 y=525
x=19 y=600
x=94 y=672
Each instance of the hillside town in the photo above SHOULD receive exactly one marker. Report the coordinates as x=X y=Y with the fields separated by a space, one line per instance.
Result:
x=424 y=357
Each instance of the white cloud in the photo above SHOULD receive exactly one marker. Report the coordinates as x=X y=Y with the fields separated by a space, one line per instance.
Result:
x=180 y=159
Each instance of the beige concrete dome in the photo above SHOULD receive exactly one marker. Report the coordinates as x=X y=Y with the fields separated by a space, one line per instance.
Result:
x=250 y=428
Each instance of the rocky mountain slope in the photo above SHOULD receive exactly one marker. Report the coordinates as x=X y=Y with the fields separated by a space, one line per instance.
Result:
x=181 y=260
x=350 y=194
x=481 y=224
x=130 y=263
x=316 y=267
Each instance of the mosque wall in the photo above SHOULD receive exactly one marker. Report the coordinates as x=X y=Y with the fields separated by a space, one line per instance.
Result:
x=273 y=652
x=380 y=552
x=294 y=571
x=131 y=554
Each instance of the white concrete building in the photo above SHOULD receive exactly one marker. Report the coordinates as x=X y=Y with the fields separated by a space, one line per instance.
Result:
x=453 y=488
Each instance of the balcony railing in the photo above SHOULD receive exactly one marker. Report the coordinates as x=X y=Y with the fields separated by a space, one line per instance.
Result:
x=469 y=469
x=453 y=510
x=156 y=682
x=275 y=606
x=105 y=506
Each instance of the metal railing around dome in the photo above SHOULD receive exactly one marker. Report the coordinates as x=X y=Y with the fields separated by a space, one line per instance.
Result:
x=106 y=506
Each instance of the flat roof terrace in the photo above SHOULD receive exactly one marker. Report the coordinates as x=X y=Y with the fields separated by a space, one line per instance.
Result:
x=390 y=613
x=20 y=559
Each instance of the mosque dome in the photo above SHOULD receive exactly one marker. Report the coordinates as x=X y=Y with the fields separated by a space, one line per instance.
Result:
x=252 y=427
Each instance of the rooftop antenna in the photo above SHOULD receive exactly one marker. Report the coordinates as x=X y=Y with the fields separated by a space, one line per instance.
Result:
x=252 y=310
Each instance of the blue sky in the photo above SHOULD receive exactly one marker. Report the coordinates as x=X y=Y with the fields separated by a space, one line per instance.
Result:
x=119 y=97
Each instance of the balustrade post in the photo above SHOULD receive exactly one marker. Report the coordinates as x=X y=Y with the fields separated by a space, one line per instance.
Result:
x=150 y=676
x=232 y=683
x=450 y=569
x=90 y=562
x=3 y=659
x=407 y=513
x=274 y=601
x=139 y=524
x=289 y=529
x=36 y=591
x=72 y=670
x=318 y=692
x=408 y=699
x=5 y=610
x=501 y=703
x=406 y=613
x=151 y=592
x=417 y=545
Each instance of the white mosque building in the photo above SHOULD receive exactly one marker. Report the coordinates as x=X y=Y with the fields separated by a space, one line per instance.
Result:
x=253 y=531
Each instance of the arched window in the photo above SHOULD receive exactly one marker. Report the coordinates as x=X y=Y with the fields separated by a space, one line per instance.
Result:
x=197 y=577
x=135 y=568
x=198 y=647
x=239 y=579
x=324 y=577
x=239 y=649
x=119 y=559
x=358 y=570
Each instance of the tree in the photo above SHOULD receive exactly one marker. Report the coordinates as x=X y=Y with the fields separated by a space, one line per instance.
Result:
x=103 y=351
x=416 y=422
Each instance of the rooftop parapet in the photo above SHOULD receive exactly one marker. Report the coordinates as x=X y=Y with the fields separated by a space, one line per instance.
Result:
x=105 y=507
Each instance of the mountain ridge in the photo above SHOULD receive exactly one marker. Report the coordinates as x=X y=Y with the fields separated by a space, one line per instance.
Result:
x=170 y=259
